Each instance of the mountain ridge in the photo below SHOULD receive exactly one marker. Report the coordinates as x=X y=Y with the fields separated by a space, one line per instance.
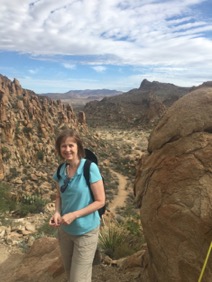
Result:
x=140 y=106
x=82 y=93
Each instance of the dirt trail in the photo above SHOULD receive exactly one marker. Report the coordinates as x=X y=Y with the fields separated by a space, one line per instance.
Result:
x=119 y=200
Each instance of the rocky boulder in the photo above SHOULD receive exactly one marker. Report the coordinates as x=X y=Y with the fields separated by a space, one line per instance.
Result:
x=173 y=189
x=192 y=113
x=43 y=260
x=41 y=263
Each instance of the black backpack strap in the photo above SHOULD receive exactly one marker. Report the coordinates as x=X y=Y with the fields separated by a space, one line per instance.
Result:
x=58 y=170
x=86 y=172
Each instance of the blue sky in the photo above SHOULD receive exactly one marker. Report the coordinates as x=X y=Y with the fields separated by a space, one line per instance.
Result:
x=57 y=46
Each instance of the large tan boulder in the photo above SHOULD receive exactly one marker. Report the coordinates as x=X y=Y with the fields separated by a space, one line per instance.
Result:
x=192 y=113
x=174 y=190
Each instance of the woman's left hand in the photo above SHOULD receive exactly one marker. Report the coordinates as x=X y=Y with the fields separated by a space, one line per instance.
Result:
x=68 y=218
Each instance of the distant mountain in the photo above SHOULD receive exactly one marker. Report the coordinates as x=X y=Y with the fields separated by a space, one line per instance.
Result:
x=97 y=93
x=138 y=107
x=78 y=98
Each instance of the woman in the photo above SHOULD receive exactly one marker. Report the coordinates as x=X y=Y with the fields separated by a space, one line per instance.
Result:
x=76 y=214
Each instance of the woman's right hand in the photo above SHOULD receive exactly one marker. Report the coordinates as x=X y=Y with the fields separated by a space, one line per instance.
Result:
x=55 y=220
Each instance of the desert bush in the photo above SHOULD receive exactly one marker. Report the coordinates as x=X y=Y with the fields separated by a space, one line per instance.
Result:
x=6 y=154
x=27 y=130
x=119 y=239
x=40 y=155
x=30 y=204
x=6 y=202
x=112 y=237
x=13 y=172
x=46 y=230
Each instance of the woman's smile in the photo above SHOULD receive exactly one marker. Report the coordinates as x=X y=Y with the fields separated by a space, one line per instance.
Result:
x=69 y=149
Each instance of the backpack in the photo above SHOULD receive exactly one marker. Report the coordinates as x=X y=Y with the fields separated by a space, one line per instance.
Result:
x=90 y=157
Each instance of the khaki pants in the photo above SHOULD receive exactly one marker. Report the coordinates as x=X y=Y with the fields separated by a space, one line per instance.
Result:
x=77 y=254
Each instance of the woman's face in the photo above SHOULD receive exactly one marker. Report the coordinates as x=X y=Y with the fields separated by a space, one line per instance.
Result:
x=69 y=149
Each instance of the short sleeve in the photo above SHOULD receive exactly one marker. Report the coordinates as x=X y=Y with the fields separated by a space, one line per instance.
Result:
x=95 y=174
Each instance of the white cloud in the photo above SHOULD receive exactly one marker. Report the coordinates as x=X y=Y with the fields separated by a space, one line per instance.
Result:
x=92 y=27
x=69 y=66
x=166 y=33
x=99 y=68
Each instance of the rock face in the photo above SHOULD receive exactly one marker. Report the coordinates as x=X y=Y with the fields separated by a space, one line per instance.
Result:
x=173 y=189
x=28 y=125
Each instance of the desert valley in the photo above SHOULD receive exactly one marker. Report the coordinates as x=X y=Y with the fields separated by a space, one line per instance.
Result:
x=154 y=147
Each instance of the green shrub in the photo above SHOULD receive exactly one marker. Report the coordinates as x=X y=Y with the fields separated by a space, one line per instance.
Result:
x=30 y=204
x=111 y=238
x=13 y=172
x=27 y=205
x=122 y=238
x=46 y=230
x=40 y=155
x=6 y=202
x=27 y=130
x=6 y=154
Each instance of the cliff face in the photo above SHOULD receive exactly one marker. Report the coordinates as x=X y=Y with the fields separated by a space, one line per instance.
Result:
x=28 y=124
x=173 y=189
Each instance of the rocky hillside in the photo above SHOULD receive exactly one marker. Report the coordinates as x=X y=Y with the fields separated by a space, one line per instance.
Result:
x=28 y=125
x=142 y=106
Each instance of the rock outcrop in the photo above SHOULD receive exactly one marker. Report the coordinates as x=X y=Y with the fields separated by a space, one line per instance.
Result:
x=173 y=189
x=28 y=125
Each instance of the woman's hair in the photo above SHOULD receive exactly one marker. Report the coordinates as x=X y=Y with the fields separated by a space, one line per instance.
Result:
x=73 y=134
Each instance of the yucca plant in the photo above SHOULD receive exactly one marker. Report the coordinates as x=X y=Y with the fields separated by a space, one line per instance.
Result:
x=112 y=236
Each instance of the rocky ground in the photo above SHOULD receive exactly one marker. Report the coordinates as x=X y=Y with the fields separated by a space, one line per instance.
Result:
x=104 y=273
x=10 y=260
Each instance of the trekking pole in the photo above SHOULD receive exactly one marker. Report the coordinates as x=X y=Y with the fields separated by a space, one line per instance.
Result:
x=205 y=263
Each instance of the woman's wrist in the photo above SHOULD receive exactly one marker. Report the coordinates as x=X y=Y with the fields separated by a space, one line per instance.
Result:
x=76 y=214
x=56 y=213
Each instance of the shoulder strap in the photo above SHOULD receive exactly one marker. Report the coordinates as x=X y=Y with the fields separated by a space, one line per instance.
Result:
x=58 y=170
x=86 y=172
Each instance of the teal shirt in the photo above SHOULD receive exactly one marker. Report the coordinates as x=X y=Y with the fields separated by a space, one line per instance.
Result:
x=77 y=196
